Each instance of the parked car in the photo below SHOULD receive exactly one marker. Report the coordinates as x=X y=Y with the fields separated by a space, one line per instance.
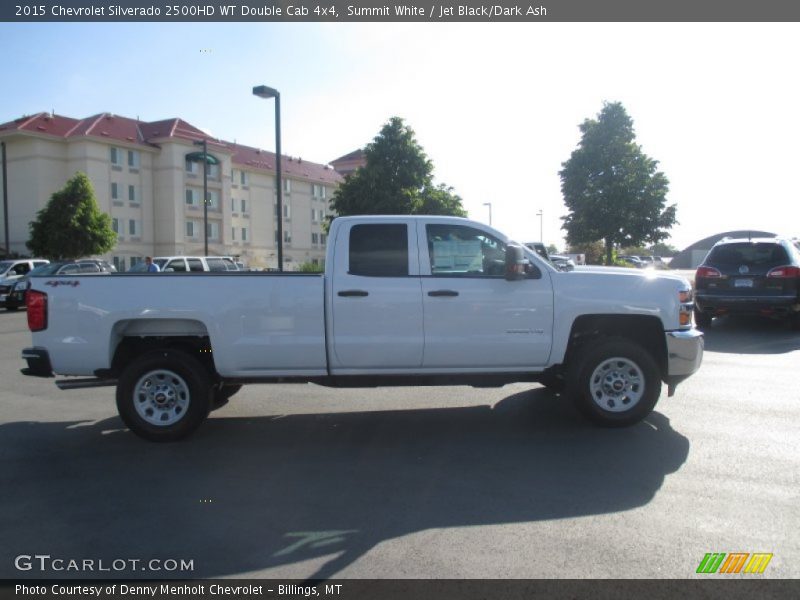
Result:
x=634 y=261
x=748 y=276
x=562 y=263
x=84 y=266
x=183 y=264
x=13 y=269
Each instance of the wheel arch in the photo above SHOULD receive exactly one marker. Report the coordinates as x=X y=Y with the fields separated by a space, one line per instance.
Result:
x=132 y=338
x=647 y=331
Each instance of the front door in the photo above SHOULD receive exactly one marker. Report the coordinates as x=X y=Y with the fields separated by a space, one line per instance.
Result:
x=474 y=317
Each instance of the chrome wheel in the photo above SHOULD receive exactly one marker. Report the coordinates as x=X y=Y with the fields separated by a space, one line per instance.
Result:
x=617 y=384
x=161 y=397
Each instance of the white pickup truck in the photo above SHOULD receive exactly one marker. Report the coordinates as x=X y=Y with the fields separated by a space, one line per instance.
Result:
x=403 y=301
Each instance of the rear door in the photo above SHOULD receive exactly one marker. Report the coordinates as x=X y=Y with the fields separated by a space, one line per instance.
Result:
x=376 y=297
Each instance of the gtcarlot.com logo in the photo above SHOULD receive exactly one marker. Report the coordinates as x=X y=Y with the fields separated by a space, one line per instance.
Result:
x=47 y=563
x=734 y=562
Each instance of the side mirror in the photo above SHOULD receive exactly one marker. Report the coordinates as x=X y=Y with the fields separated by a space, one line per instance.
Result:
x=515 y=263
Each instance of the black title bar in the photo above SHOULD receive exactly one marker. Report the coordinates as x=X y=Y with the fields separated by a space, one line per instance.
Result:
x=411 y=11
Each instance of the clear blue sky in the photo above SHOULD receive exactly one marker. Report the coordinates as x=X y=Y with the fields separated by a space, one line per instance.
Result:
x=496 y=106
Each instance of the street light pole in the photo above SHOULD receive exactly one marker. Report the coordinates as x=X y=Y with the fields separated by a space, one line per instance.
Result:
x=204 y=144
x=262 y=91
x=540 y=214
x=489 y=204
x=5 y=200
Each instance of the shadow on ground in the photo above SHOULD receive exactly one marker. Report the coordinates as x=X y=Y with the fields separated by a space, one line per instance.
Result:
x=246 y=494
x=751 y=335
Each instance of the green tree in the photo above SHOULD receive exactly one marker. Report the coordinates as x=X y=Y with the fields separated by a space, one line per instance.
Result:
x=613 y=191
x=397 y=179
x=71 y=225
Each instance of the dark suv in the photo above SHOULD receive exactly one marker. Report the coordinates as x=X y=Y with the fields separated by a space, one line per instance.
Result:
x=749 y=276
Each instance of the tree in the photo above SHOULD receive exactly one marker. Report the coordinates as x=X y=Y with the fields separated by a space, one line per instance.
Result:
x=612 y=189
x=397 y=179
x=71 y=225
x=664 y=249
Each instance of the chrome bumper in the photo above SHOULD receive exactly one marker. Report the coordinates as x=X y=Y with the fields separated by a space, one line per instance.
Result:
x=684 y=355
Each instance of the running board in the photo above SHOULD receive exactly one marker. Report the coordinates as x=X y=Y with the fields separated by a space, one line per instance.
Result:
x=89 y=382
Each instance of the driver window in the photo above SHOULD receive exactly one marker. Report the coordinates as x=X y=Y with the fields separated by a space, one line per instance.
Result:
x=460 y=251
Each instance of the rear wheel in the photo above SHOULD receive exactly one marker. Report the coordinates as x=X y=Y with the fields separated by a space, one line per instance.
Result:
x=164 y=395
x=614 y=382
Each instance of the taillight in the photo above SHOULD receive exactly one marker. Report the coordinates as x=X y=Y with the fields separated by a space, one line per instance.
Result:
x=707 y=273
x=37 y=310
x=784 y=272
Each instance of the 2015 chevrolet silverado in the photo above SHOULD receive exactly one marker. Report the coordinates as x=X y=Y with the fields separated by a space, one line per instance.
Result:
x=403 y=301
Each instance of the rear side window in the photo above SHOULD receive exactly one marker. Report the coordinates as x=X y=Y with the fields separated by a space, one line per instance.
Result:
x=379 y=250
x=196 y=265
x=751 y=255
x=215 y=264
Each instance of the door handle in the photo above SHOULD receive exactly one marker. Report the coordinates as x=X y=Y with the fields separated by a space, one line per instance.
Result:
x=353 y=293
x=443 y=293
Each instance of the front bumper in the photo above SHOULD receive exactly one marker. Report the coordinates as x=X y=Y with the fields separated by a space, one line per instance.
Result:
x=684 y=355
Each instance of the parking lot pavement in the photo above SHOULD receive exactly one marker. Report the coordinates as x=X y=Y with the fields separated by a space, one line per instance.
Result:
x=301 y=481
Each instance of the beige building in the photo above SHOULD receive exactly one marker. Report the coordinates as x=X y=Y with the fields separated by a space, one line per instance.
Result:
x=154 y=194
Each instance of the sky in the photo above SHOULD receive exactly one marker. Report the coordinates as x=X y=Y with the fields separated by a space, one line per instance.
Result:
x=496 y=106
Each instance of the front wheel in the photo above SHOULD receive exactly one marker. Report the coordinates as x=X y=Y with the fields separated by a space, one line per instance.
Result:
x=164 y=395
x=614 y=382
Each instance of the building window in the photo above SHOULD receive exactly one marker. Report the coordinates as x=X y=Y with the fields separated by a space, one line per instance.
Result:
x=244 y=234
x=287 y=236
x=192 y=197
x=243 y=178
x=233 y=205
x=244 y=205
x=318 y=191
x=116 y=158
x=213 y=172
x=323 y=238
x=287 y=186
x=213 y=231
x=133 y=160
x=114 y=191
x=213 y=199
x=132 y=195
x=133 y=227
x=287 y=211
x=192 y=166
x=115 y=226
x=135 y=260
x=315 y=239
x=119 y=263
x=190 y=229
x=313 y=215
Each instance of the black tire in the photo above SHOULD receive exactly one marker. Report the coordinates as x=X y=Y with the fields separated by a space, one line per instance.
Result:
x=222 y=395
x=702 y=319
x=175 y=407
x=12 y=307
x=614 y=382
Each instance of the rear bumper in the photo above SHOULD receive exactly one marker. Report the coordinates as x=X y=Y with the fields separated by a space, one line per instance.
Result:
x=747 y=304
x=684 y=355
x=38 y=362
